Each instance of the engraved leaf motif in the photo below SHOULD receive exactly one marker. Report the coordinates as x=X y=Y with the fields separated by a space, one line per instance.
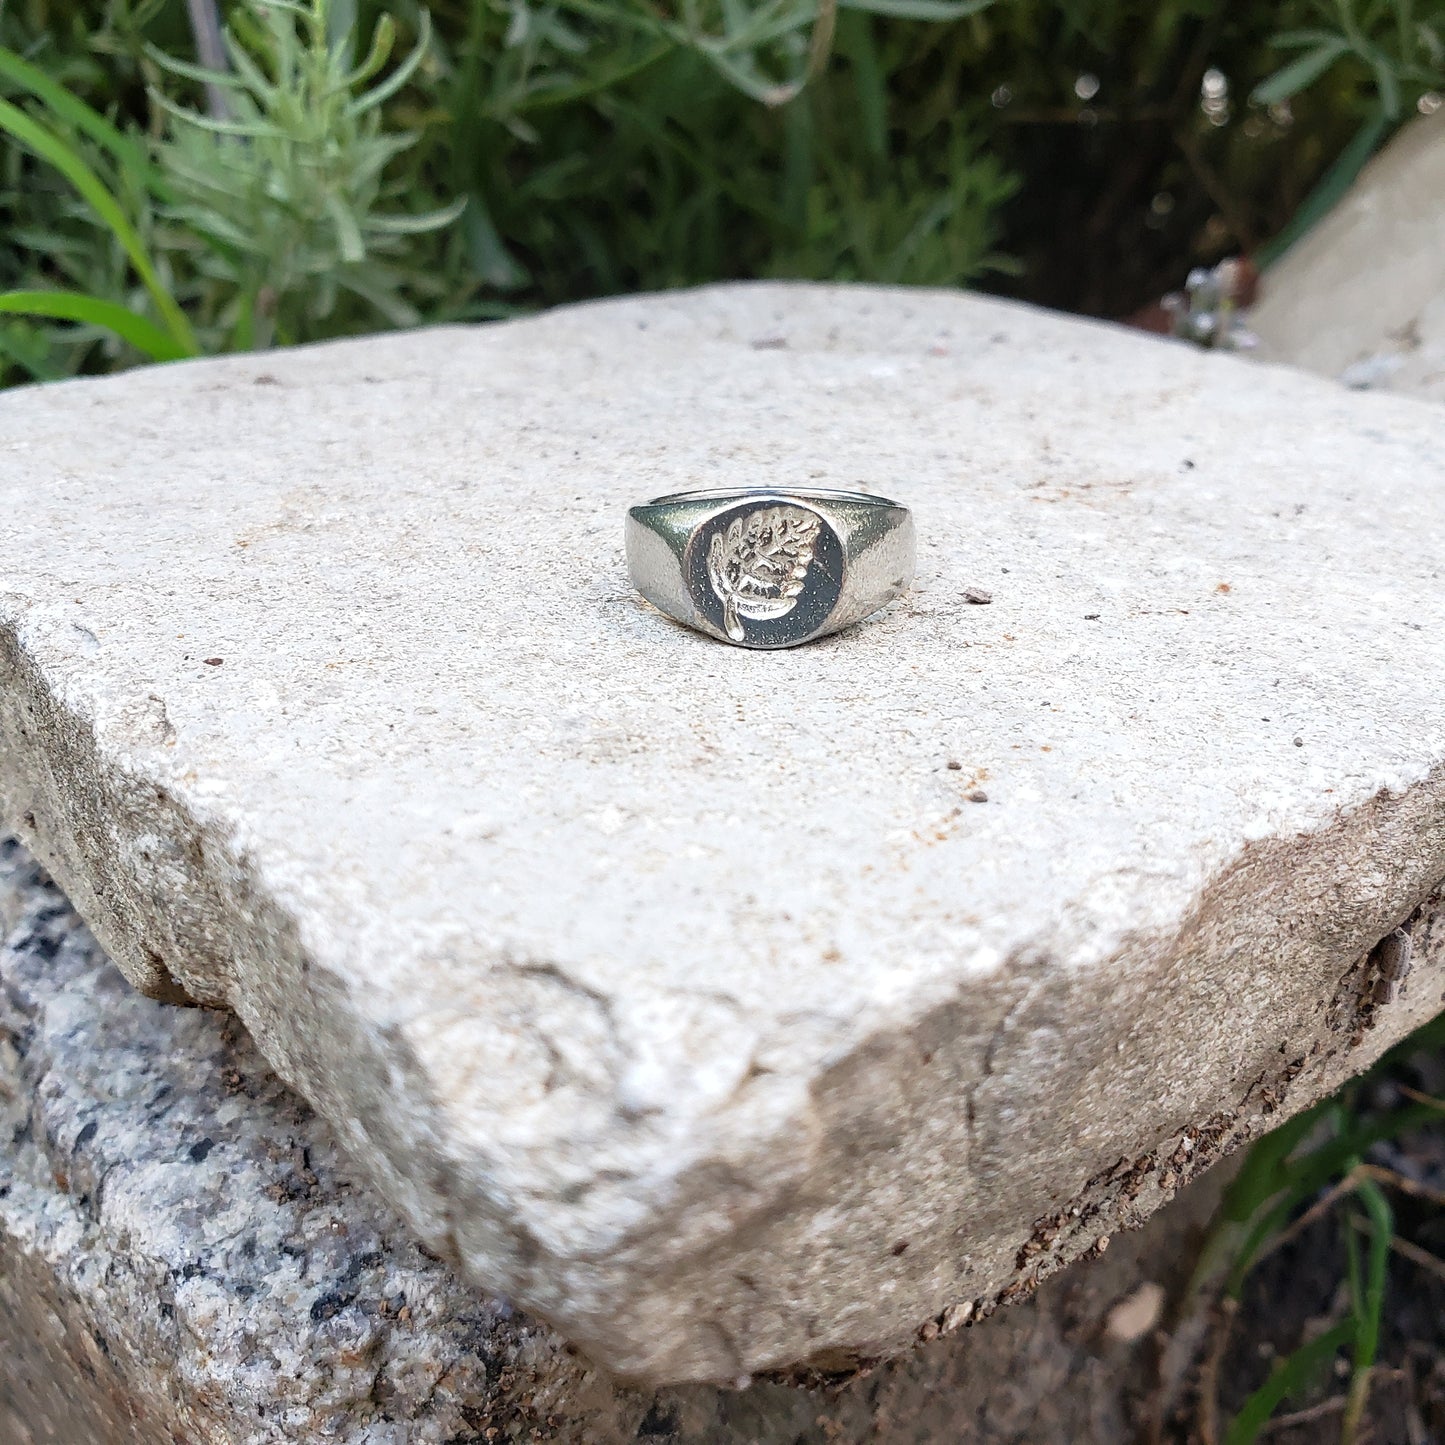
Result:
x=758 y=563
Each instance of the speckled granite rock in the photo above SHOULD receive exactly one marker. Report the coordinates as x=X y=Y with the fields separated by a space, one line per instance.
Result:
x=164 y=1222
x=687 y=996
x=183 y=1259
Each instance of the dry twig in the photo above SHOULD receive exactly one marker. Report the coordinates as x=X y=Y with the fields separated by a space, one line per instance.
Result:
x=1209 y=1372
x=1330 y=1197
x=1403 y=1183
x=1417 y=1097
x=1303 y=1417
x=1419 y=1256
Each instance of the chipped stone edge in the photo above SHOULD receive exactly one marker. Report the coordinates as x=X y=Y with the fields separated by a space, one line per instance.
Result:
x=78 y=811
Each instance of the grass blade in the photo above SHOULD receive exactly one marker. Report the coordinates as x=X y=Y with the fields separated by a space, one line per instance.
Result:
x=50 y=147
x=919 y=9
x=1388 y=84
x=144 y=335
x=1299 y=1180
x=1368 y=1306
x=61 y=103
x=1299 y=73
x=1289 y=1376
x=857 y=43
x=1314 y=1169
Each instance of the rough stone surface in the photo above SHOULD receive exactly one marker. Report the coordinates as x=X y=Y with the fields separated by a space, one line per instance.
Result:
x=1362 y=296
x=679 y=993
x=182 y=1258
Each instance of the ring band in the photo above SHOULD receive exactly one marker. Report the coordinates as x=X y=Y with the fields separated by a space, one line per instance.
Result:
x=770 y=567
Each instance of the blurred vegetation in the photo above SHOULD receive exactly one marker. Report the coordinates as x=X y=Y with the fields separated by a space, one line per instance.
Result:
x=1369 y=1165
x=290 y=171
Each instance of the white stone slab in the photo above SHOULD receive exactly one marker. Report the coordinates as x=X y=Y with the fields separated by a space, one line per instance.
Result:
x=1362 y=296
x=682 y=993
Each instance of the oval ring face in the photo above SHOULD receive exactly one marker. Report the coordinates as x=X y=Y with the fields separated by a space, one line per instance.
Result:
x=766 y=573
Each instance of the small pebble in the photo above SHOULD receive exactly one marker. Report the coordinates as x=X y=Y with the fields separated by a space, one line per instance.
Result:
x=211 y=661
x=978 y=796
x=1135 y=1315
x=954 y=767
x=1299 y=742
x=977 y=596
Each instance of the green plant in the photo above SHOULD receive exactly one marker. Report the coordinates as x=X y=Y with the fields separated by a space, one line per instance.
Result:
x=1402 y=49
x=511 y=154
x=632 y=145
x=586 y=147
x=1315 y=1164
x=1397 y=49
x=243 y=227
x=279 y=205
x=73 y=129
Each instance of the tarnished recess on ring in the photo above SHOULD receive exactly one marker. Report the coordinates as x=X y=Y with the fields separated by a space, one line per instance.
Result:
x=770 y=568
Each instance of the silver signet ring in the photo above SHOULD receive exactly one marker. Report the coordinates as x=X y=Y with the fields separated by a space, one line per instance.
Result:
x=765 y=567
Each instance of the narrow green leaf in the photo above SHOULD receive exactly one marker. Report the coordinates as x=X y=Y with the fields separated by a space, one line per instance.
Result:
x=341 y=28
x=402 y=225
x=383 y=38
x=243 y=330
x=1338 y=1156
x=398 y=312
x=744 y=76
x=1293 y=1372
x=1264 y=1228
x=1388 y=83
x=857 y=42
x=492 y=262
x=1301 y=1179
x=144 y=335
x=348 y=233
x=919 y=9
x=252 y=129
x=1301 y=39
x=72 y=110
x=1369 y=1303
x=201 y=74
x=304 y=13
x=385 y=89
x=49 y=146
x=252 y=88
x=1331 y=187
x=1295 y=76
x=558 y=91
x=1434 y=46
